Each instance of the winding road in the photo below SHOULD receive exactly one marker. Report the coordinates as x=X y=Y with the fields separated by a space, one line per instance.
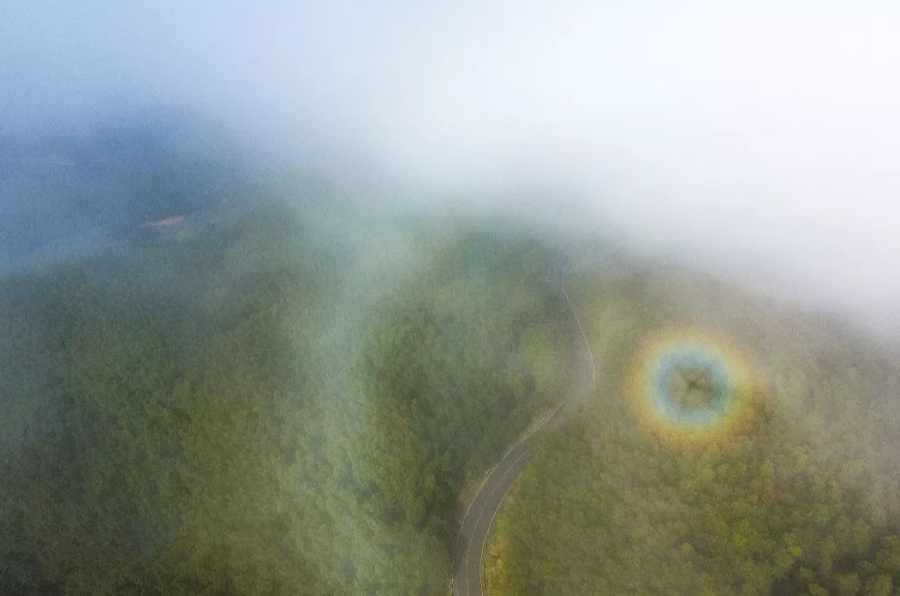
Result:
x=476 y=523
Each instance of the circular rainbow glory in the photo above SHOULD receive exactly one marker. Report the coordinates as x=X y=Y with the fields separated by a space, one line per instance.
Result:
x=689 y=386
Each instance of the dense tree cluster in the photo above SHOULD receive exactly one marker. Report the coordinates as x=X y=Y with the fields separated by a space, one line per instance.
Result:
x=805 y=502
x=248 y=407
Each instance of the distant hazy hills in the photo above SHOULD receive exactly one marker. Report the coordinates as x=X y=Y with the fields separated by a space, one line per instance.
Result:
x=67 y=193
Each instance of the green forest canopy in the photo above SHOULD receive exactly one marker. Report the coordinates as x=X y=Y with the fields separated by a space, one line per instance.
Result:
x=261 y=405
x=806 y=502
x=289 y=397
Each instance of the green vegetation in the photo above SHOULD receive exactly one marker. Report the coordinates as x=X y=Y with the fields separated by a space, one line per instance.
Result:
x=254 y=405
x=691 y=388
x=805 y=502
x=276 y=397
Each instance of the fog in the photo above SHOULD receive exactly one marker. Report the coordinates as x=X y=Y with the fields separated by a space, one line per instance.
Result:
x=758 y=139
x=291 y=293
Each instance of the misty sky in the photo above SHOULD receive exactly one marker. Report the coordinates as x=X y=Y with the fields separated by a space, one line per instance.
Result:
x=760 y=137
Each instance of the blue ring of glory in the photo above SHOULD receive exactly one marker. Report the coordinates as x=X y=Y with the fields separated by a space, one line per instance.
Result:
x=690 y=357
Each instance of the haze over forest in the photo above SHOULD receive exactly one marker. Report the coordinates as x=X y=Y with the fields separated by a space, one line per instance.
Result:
x=760 y=138
x=281 y=284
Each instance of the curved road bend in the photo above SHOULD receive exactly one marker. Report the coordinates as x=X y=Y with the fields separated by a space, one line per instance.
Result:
x=473 y=532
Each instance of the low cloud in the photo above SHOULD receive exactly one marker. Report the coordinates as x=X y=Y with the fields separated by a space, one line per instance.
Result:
x=760 y=140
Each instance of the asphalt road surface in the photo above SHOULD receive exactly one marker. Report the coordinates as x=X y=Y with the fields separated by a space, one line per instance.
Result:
x=473 y=532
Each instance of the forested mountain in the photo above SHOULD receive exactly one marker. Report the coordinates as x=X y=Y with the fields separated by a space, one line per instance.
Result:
x=268 y=397
x=215 y=380
x=805 y=499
